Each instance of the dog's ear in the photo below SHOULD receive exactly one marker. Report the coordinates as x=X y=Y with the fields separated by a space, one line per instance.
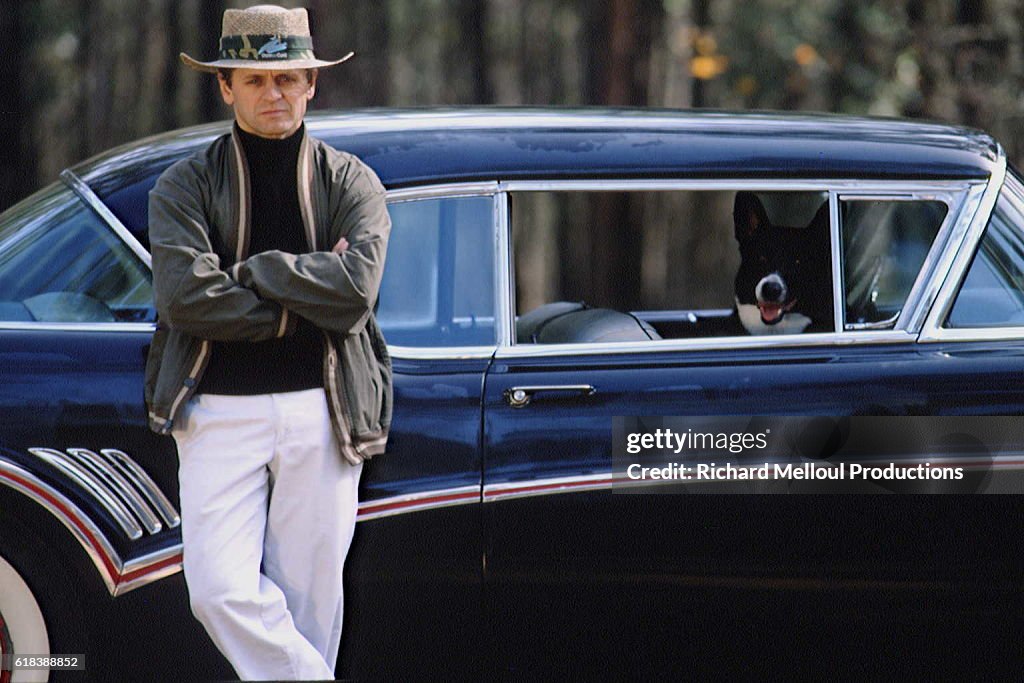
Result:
x=748 y=215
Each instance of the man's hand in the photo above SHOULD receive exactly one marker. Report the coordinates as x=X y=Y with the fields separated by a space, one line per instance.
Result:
x=341 y=246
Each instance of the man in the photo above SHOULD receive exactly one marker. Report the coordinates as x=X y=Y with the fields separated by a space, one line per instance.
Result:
x=267 y=366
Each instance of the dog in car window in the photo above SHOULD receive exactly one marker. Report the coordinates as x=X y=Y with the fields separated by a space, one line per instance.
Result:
x=784 y=283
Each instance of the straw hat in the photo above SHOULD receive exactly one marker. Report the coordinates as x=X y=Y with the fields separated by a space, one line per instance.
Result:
x=264 y=37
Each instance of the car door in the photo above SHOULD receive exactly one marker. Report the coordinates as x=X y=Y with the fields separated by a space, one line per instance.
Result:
x=582 y=578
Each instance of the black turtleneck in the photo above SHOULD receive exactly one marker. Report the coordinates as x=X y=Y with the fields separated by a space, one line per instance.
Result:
x=291 y=363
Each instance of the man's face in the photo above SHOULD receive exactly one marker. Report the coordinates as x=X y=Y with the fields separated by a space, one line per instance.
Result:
x=270 y=104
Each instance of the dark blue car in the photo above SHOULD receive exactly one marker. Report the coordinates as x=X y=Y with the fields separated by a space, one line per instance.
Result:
x=549 y=271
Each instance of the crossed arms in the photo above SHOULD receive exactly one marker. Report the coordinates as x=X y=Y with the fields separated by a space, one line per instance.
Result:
x=258 y=298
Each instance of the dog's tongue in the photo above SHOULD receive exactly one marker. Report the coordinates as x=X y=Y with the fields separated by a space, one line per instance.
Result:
x=770 y=313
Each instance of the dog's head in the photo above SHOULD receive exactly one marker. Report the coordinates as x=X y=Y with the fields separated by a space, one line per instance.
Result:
x=784 y=284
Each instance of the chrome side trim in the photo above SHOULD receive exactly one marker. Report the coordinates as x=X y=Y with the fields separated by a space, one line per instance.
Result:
x=414 y=502
x=78 y=327
x=445 y=190
x=82 y=528
x=828 y=339
x=117 y=575
x=93 y=486
x=932 y=329
x=138 y=476
x=146 y=569
x=1004 y=462
x=119 y=485
x=549 y=486
x=85 y=192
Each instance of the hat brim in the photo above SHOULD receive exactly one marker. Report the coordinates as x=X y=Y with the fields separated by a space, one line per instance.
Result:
x=268 y=65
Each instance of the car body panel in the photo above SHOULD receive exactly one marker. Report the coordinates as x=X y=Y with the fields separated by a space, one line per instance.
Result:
x=489 y=541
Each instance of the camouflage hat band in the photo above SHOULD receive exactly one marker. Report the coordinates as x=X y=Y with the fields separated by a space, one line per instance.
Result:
x=260 y=48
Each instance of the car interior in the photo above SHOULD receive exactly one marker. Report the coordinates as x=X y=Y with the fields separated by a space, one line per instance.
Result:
x=884 y=245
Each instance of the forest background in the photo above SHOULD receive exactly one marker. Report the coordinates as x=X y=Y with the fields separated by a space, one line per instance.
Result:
x=84 y=75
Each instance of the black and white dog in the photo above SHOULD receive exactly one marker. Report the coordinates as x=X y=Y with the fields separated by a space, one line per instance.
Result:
x=784 y=284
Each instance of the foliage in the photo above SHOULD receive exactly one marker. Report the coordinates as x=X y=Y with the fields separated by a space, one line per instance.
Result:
x=101 y=72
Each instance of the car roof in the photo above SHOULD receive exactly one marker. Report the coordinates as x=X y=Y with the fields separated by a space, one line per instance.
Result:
x=410 y=147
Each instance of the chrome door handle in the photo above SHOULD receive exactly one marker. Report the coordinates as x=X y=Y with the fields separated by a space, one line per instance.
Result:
x=517 y=397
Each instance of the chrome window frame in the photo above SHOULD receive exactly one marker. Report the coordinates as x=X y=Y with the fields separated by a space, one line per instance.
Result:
x=91 y=200
x=955 y=194
x=933 y=330
x=928 y=302
x=909 y=317
x=451 y=191
x=106 y=216
x=438 y=191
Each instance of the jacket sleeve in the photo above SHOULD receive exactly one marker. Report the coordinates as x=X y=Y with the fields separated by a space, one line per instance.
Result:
x=192 y=293
x=335 y=292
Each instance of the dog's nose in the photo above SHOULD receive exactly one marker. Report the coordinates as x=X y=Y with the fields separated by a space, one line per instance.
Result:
x=771 y=291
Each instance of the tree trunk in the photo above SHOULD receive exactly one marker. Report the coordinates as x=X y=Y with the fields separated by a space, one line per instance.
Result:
x=361 y=27
x=938 y=89
x=168 y=114
x=701 y=14
x=210 y=16
x=17 y=169
x=619 y=50
x=466 y=62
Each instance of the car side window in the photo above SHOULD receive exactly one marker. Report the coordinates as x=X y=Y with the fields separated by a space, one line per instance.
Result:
x=59 y=262
x=884 y=244
x=438 y=285
x=992 y=294
x=627 y=266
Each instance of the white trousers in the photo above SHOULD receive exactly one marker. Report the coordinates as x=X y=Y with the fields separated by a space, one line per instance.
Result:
x=268 y=508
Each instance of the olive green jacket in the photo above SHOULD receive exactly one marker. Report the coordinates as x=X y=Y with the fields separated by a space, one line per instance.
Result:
x=207 y=288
